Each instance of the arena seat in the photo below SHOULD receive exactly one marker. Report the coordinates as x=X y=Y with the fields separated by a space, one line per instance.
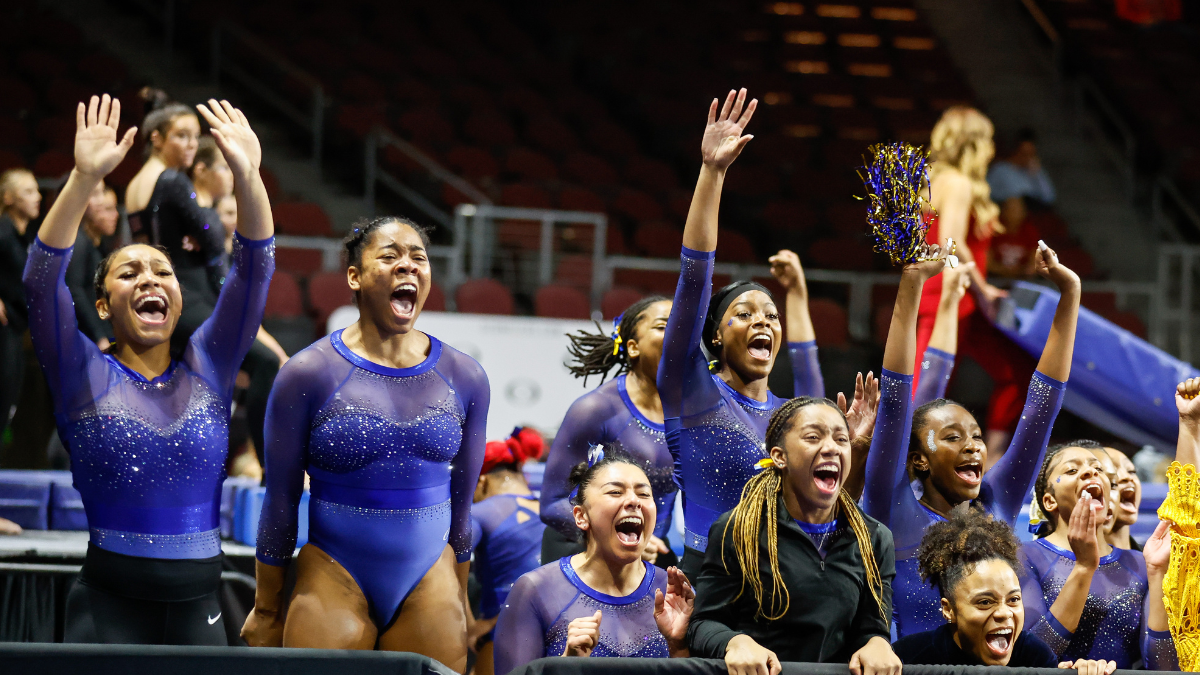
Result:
x=616 y=299
x=734 y=247
x=561 y=302
x=284 y=298
x=302 y=261
x=830 y=322
x=436 y=300
x=483 y=296
x=302 y=218
x=658 y=240
x=326 y=292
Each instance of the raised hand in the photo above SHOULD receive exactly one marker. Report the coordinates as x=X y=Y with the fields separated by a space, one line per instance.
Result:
x=933 y=261
x=723 y=140
x=673 y=610
x=237 y=141
x=1187 y=401
x=1085 y=519
x=97 y=151
x=787 y=270
x=1046 y=263
x=860 y=415
x=583 y=634
x=956 y=281
x=1157 y=550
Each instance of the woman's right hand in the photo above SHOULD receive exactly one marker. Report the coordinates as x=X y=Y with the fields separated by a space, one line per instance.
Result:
x=1187 y=401
x=97 y=151
x=956 y=281
x=1090 y=667
x=744 y=656
x=263 y=628
x=583 y=634
x=1085 y=519
x=933 y=263
x=723 y=140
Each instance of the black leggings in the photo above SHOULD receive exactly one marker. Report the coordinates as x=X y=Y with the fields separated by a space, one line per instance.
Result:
x=97 y=616
x=122 y=599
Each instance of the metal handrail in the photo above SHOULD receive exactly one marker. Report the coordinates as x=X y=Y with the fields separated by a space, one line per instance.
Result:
x=373 y=174
x=312 y=120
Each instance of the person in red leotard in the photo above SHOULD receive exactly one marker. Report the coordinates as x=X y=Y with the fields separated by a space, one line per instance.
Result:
x=962 y=209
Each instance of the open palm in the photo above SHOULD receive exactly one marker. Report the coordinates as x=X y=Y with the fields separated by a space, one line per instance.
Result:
x=97 y=151
x=237 y=141
x=673 y=611
x=860 y=414
x=723 y=140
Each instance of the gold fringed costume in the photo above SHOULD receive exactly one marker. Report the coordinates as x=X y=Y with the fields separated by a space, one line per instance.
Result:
x=1181 y=587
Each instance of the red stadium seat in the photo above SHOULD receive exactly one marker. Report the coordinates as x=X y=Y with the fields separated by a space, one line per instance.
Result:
x=284 y=298
x=302 y=261
x=472 y=163
x=530 y=165
x=561 y=302
x=574 y=270
x=436 y=300
x=841 y=254
x=53 y=163
x=616 y=299
x=326 y=292
x=830 y=322
x=650 y=281
x=523 y=194
x=359 y=120
x=658 y=240
x=551 y=135
x=303 y=219
x=1102 y=303
x=489 y=128
x=638 y=205
x=484 y=296
x=589 y=169
x=734 y=247
x=579 y=199
x=651 y=175
x=426 y=124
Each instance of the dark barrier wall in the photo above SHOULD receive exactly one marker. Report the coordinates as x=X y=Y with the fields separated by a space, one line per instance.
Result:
x=561 y=666
x=52 y=659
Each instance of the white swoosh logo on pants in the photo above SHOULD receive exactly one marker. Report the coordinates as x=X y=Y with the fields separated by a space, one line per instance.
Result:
x=214 y=619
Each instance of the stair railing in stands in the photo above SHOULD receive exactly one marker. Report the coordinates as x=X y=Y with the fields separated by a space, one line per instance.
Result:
x=1178 y=292
x=479 y=220
x=264 y=74
x=373 y=174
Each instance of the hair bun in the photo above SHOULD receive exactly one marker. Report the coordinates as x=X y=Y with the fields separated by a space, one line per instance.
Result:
x=155 y=98
x=496 y=453
x=526 y=444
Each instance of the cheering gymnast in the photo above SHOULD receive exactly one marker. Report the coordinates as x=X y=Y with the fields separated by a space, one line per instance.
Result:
x=715 y=421
x=606 y=601
x=505 y=532
x=625 y=410
x=1083 y=597
x=148 y=435
x=389 y=424
x=941 y=445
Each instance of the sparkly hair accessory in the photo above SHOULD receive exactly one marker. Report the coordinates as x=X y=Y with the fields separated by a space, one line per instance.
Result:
x=595 y=455
x=893 y=183
x=1037 y=517
x=616 y=334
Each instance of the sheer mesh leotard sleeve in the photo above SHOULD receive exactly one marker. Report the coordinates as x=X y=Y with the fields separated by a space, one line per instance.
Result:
x=886 y=492
x=471 y=384
x=583 y=427
x=806 y=369
x=1013 y=475
x=936 y=368
x=521 y=628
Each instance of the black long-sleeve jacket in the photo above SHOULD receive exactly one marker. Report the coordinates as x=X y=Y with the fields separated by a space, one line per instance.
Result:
x=81 y=278
x=832 y=613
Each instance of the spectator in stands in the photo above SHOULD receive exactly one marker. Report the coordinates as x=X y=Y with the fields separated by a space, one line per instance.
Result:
x=20 y=203
x=1018 y=182
x=960 y=149
x=388 y=422
x=1179 y=511
x=941 y=444
x=972 y=560
x=606 y=601
x=99 y=222
x=148 y=433
x=1083 y=597
x=627 y=410
x=715 y=421
x=506 y=532
x=796 y=571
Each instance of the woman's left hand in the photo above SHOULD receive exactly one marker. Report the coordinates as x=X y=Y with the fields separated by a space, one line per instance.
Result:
x=1157 y=550
x=673 y=611
x=1046 y=263
x=237 y=141
x=787 y=270
x=875 y=658
x=1088 y=667
x=860 y=415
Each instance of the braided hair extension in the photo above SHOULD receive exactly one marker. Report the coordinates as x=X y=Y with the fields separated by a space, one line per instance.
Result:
x=598 y=353
x=1048 y=464
x=952 y=548
x=762 y=494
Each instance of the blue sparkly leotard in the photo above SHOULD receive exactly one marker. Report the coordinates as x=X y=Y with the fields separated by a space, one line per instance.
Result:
x=543 y=603
x=1112 y=626
x=936 y=369
x=715 y=434
x=507 y=537
x=888 y=497
x=392 y=454
x=604 y=415
x=148 y=456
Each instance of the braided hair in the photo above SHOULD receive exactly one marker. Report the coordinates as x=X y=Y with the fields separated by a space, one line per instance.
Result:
x=951 y=549
x=597 y=353
x=1046 y=525
x=762 y=494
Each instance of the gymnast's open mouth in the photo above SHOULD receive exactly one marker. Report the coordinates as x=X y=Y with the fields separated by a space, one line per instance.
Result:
x=759 y=347
x=151 y=308
x=629 y=530
x=404 y=300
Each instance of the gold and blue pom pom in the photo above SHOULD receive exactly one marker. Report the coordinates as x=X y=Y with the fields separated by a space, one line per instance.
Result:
x=893 y=182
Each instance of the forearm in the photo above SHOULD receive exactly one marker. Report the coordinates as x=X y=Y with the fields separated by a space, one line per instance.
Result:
x=700 y=229
x=1060 y=346
x=945 y=326
x=799 y=322
x=268 y=590
x=1068 y=606
x=707 y=638
x=61 y=225
x=1187 y=449
x=254 y=208
x=900 y=353
x=1156 y=610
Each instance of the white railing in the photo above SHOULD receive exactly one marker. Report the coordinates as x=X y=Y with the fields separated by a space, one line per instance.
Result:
x=1178 y=294
x=262 y=76
x=373 y=174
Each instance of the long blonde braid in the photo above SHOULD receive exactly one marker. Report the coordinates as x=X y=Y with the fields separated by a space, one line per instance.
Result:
x=760 y=494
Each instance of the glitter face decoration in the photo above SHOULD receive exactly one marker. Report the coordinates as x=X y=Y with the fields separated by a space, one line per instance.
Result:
x=929 y=441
